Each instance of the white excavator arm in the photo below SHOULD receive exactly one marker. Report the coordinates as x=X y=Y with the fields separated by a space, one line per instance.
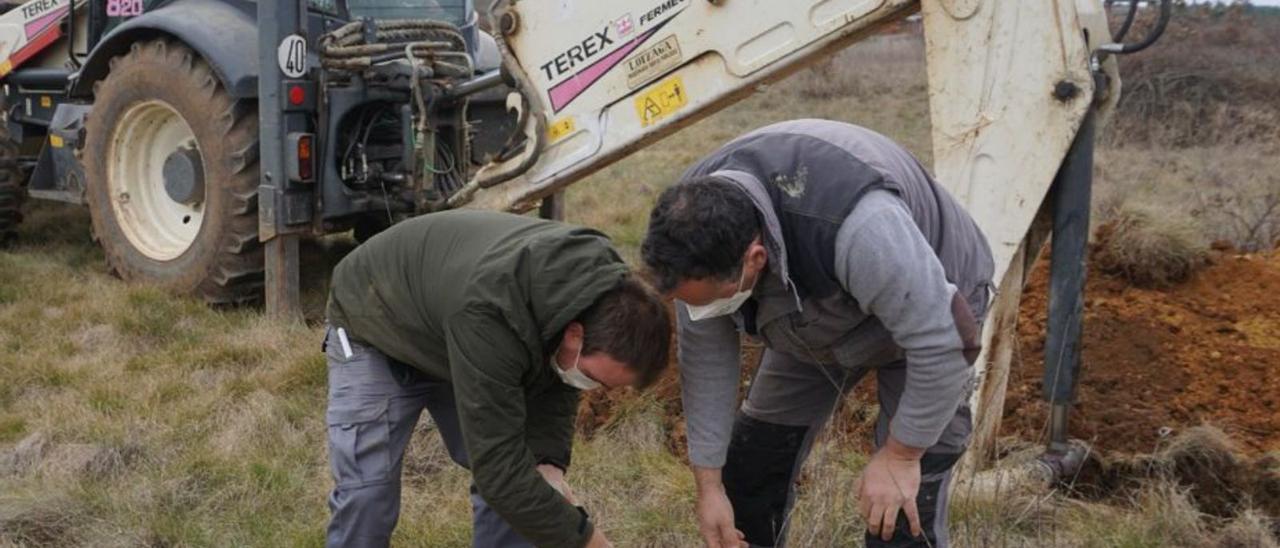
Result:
x=1010 y=85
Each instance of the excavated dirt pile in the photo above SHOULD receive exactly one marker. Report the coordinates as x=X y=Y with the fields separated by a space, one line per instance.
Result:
x=1159 y=361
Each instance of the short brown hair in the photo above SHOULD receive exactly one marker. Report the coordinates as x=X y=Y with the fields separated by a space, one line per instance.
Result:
x=631 y=324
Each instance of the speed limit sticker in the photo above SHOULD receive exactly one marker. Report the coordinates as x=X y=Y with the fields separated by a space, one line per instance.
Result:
x=292 y=56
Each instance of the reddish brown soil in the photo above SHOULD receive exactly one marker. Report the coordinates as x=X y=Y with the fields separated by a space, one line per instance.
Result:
x=1200 y=352
x=1205 y=351
x=599 y=407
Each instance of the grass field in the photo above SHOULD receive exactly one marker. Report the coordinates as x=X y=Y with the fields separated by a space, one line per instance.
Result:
x=131 y=417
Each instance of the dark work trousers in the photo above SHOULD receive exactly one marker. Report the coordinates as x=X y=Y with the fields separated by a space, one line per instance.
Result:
x=374 y=405
x=789 y=403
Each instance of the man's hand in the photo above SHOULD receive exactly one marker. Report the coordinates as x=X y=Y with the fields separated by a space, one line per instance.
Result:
x=598 y=540
x=555 y=476
x=715 y=513
x=890 y=483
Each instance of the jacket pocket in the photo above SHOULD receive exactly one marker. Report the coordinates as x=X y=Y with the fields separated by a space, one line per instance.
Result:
x=359 y=442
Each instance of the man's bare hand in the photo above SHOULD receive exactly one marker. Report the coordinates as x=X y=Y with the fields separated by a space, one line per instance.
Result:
x=555 y=476
x=890 y=483
x=715 y=513
x=598 y=540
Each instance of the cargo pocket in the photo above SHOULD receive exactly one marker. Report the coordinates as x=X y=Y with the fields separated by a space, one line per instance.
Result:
x=359 y=443
x=869 y=346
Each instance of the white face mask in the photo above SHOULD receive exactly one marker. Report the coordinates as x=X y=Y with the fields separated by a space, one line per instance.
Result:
x=722 y=307
x=573 y=377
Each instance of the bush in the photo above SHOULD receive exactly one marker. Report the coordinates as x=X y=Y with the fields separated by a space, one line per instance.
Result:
x=1211 y=79
x=1150 y=247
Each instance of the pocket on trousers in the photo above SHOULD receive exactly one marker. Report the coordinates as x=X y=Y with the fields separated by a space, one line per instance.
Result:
x=359 y=443
x=869 y=346
x=336 y=351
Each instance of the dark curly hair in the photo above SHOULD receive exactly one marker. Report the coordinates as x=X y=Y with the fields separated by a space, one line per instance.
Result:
x=699 y=229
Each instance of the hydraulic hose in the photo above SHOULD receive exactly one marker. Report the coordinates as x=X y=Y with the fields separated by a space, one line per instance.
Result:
x=1166 y=11
x=436 y=44
x=1118 y=37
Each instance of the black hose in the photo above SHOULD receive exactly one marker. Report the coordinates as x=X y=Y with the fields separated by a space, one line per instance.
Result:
x=1166 y=11
x=1118 y=37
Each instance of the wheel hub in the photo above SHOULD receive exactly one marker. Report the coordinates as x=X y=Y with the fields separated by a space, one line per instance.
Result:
x=155 y=174
x=184 y=176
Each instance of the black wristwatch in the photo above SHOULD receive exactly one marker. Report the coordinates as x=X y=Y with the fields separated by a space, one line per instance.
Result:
x=582 y=523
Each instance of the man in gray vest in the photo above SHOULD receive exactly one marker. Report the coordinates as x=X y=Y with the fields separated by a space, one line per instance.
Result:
x=832 y=245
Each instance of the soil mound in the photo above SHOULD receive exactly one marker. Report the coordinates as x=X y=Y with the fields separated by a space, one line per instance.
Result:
x=1160 y=361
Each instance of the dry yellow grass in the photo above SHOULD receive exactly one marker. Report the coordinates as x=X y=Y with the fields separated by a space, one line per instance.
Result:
x=1150 y=246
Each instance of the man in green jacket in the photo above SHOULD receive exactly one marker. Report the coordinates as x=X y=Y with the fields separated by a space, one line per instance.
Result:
x=493 y=323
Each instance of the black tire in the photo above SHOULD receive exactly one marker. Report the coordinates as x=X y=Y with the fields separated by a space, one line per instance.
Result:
x=224 y=262
x=11 y=188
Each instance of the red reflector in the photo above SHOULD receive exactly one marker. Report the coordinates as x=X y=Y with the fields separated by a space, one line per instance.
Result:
x=297 y=95
x=304 y=157
x=304 y=147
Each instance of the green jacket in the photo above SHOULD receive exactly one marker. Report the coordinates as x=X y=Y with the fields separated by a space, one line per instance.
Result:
x=481 y=299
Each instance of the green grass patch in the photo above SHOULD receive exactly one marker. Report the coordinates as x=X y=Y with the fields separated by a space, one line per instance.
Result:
x=106 y=400
x=155 y=316
x=12 y=427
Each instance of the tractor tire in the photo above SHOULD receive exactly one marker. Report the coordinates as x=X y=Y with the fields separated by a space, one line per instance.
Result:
x=162 y=107
x=11 y=188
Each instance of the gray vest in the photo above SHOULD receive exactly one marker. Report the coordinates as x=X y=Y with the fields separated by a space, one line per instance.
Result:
x=805 y=177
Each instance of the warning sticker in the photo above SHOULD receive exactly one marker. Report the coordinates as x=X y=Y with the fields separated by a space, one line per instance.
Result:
x=560 y=129
x=661 y=101
x=650 y=63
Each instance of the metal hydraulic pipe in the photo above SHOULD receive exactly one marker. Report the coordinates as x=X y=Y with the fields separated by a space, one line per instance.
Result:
x=480 y=83
x=1071 y=191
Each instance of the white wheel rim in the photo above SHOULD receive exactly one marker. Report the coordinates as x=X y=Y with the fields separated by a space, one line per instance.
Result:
x=156 y=225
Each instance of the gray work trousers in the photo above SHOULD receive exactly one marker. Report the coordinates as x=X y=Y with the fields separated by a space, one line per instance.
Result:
x=374 y=405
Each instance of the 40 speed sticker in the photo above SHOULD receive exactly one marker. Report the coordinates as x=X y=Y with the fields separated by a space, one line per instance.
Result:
x=292 y=56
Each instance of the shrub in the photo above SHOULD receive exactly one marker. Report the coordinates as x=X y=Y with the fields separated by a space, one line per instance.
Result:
x=1211 y=79
x=1150 y=247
